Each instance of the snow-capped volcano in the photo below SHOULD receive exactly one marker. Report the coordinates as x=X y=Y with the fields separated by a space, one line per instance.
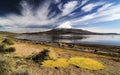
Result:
x=66 y=25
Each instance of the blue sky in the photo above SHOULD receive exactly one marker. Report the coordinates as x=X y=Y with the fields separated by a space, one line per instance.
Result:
x=41 y=15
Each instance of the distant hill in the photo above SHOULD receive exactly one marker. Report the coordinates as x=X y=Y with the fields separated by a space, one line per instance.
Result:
x=68 y=31
x=71 y=31
x=4 y=33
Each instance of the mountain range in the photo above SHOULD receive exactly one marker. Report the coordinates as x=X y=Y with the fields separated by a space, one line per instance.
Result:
x=71 y=31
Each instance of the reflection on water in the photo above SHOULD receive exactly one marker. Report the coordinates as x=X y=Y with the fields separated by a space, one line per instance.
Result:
x=86 y=39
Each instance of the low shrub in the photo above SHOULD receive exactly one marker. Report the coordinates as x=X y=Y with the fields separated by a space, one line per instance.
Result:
x=11 y=49
x=40 y=56
x=8 y=41
x=44 y=55
x=21 y=71
x=6 y=66
x=2 y=47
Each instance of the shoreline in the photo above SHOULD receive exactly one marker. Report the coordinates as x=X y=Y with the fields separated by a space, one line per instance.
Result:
x=25 y=49
x=91 y=48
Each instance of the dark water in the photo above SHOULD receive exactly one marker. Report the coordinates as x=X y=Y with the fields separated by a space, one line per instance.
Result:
x=70 y=38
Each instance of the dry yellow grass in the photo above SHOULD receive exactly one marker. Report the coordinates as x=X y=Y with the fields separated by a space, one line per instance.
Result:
x=25 y=50
x=86 y=63
x=62 y=62
x=51 y=53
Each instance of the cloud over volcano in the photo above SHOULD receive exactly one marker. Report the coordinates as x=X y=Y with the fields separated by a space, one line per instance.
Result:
x=38 y=15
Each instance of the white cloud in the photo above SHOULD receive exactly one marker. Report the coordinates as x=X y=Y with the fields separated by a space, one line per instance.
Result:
x=91 y=6
x=29 y=17
x=84 y=18
x=26 y=9
x=106 y=6
x=24 y=30
x=60 y=6
x=39 y=16
x=106 y=13
x=111 y=10
x=4 y=21
x=103 y=30
x=57 y=1
x=84 y=2
x=109 y=18
x=110 y=14
x=69 y=7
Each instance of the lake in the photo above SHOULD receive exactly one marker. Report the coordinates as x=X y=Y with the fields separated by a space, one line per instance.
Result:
x=71 y=38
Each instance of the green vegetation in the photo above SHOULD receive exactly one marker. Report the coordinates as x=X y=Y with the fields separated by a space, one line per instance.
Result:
x=6 y=66
x=46 y=54
x=8 y=41
x=48 y=58
x=4 y=46
x=21 y=72
x=10 y=49
x=4 y=34
x=9 y=66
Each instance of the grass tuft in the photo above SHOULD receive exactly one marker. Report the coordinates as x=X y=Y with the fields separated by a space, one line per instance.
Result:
x=8 y=41
x=2 y=47
x=7 y=66
x=59 y=63
x=10 y=49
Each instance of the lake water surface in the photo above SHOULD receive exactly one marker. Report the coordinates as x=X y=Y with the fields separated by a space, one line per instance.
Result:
x=70 y=38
